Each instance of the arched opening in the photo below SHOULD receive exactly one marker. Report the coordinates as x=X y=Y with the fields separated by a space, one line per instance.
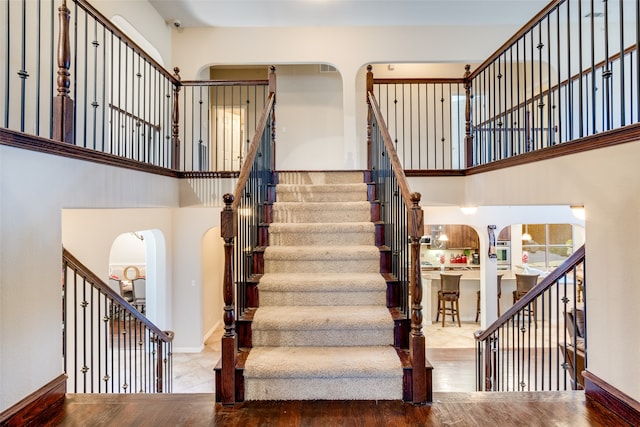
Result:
x=136 y=271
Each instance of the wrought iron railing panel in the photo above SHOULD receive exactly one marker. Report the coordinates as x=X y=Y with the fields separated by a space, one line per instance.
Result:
x=426 y=121
x=217 y=122
x=573 y=72
x=108 y=345
x=535 y=345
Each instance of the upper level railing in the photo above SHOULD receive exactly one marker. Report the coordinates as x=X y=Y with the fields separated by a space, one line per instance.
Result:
x=540 y=343
x=403 y=220
x=72 y=75
x=244 y=211
x=573 y=71
x=424 y=117
x=108 y=345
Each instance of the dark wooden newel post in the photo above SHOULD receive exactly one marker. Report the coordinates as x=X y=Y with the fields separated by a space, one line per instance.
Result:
x=175 y=119
x=228 y=231
x=62 y=102
x=468 y=136
x=421 y=393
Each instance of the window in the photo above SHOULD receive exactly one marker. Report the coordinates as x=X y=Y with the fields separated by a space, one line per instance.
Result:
x=550 y=244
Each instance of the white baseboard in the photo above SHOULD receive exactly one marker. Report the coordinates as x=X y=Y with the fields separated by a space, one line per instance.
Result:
x=204 y=339
x=211 y=331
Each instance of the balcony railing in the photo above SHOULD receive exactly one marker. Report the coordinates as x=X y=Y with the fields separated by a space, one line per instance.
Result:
x=72 y=75
x=573 y=71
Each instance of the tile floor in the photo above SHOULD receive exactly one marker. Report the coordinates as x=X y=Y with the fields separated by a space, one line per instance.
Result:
x=454 y=370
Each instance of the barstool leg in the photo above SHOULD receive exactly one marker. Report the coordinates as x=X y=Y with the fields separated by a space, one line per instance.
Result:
x=478 y=306
x=439 y=306
x=444 y=308
x=458 y=312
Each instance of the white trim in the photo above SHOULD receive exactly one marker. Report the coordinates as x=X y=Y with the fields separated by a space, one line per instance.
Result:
x=210 y=331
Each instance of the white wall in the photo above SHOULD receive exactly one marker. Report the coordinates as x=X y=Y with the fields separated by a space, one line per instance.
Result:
x=34 y=189
x=606 y=183
x=348 y=49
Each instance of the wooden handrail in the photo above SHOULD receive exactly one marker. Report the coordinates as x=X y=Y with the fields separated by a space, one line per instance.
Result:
x=403 y=184
x=564 y=268
x=75 y=264
x=92 y=11
x=525 y=28
x=418 y=80
x=253 y=150
x=224 y=82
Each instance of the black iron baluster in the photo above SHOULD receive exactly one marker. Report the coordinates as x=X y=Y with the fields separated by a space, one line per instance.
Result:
x=607 y=72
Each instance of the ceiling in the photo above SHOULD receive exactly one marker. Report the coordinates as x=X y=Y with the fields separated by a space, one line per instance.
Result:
x=295 y=13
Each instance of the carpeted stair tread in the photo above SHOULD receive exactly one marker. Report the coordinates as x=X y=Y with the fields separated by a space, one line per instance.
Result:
x=321 y=193
x=326 y=281
x=306 y=318
x=322 y=233
x=319 y=259
x=323 y=362
x=320 y=177
x=321 y=253
x=310 y=212
x=322 y=289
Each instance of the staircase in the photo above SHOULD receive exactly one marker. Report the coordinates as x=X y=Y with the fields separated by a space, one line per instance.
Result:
x=322 y=329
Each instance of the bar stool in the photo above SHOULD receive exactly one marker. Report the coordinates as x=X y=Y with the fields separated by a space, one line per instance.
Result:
x=449 y=291
x=499 y=288
x=524 y=283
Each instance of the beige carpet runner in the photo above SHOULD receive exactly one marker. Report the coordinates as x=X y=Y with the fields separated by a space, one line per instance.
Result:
x=322 y=330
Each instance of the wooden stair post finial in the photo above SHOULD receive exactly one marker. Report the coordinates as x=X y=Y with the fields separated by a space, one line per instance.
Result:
x=62 y=102
x=228 y=231
x=468 y=136
x=421 y=390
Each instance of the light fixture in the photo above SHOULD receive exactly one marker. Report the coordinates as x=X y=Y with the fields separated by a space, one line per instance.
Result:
x=443 y=237
x=526 y=235
x=578 y=211
x=469 y=210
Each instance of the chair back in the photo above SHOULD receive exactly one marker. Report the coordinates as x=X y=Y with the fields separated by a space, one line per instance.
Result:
x=139 y=288
x=450 y=283
x=115 y=284
x=524 y=282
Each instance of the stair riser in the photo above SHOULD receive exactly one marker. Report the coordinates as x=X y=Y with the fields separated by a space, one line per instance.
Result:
x=314 y=216
x=316 y=178
x=352 y=196
x=321 y=298
x=321 y=338
x=321 y=239
x=321 y=266
x=323 y=388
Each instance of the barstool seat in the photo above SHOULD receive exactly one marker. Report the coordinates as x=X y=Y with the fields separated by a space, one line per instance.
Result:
x=449 y=292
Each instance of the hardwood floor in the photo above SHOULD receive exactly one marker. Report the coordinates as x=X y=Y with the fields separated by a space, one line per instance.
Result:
x=455 y=402
x=448 y=409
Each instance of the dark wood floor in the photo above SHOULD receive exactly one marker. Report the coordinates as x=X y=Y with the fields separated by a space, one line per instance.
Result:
x=448 y=409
